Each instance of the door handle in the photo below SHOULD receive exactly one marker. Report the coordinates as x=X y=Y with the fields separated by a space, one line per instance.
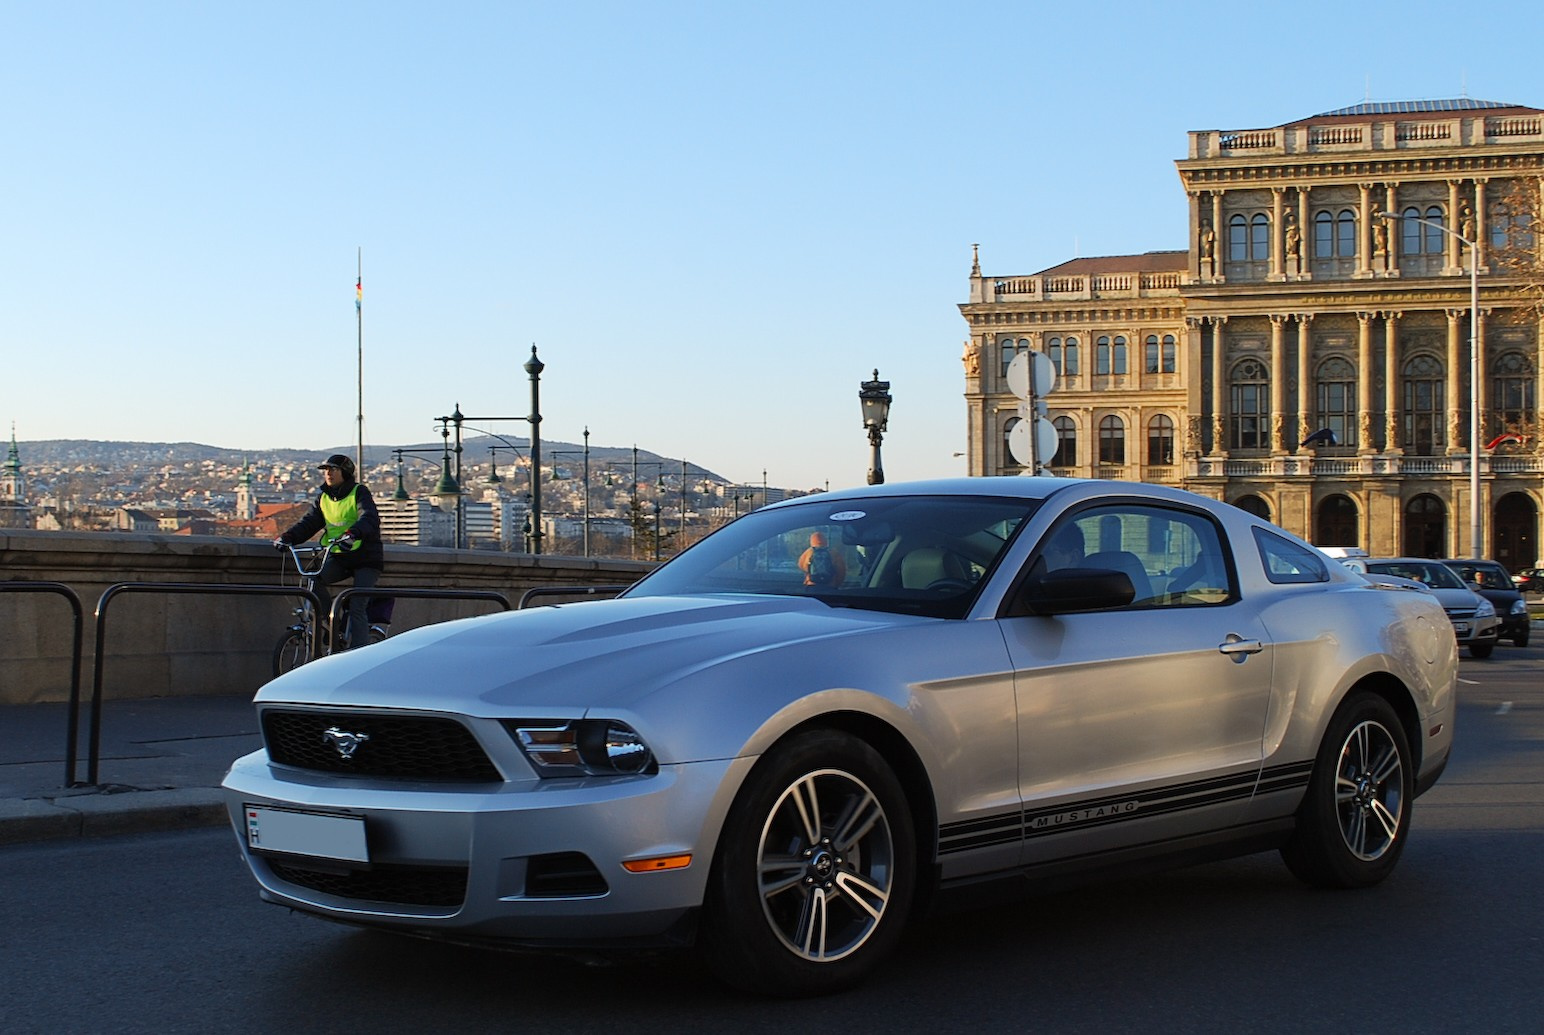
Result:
x=1238 y=648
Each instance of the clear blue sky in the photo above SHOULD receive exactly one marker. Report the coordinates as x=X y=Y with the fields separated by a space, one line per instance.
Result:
x=713 y=219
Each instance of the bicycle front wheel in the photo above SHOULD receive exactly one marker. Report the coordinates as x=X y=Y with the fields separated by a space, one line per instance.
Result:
x=291 y=651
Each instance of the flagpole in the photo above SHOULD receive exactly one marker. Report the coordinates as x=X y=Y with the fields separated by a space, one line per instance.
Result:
x=359 y=317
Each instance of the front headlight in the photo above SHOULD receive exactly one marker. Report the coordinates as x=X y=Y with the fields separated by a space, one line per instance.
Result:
x=582 y=747
x=1519 y=606
x=1485 y=610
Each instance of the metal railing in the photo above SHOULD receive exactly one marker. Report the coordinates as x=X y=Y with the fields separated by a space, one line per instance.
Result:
x=73 y=720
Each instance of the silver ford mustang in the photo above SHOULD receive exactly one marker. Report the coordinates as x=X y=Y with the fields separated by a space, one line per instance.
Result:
x=780 y=744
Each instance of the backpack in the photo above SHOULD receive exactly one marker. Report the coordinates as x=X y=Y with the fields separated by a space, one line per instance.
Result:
x=822 y=570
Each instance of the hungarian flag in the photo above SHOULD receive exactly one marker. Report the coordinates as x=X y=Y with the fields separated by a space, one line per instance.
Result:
x=359 y=293
x=1505 y=436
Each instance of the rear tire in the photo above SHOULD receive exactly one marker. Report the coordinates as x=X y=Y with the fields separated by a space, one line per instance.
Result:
x=1352 y=825
x=815 y=871
x=290 y=652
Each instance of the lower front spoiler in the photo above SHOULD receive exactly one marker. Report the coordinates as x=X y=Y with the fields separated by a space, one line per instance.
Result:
x=671 y=930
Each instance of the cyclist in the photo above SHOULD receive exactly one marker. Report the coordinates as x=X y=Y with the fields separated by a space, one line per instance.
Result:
x=344 y=513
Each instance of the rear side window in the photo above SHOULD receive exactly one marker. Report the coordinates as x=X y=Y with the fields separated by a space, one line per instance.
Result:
x=1286 y=562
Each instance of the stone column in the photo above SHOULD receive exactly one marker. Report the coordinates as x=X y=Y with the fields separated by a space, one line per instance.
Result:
x=1364 y=234
x=1391 y=204
x=1197 y=262
x=1456 y=362
x=1305 y=385
x=1305 y=227
x=1278 y=381
x=1219 y=388
x=1278 y=238
x=1455 y=261
x=1364 y=444
x=1190 y=368
x=1480 y=221
x=1219 y=252
x=1391 y=382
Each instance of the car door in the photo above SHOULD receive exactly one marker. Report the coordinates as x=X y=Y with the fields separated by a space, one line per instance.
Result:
x=1141 y=723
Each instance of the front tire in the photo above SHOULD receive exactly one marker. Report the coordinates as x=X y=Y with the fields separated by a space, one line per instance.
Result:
x=815 y=872
x=290 y=652
x=1352 y=825
x=1482 y=650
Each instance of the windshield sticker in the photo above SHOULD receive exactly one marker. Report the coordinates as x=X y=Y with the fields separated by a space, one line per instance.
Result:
x=848 y=515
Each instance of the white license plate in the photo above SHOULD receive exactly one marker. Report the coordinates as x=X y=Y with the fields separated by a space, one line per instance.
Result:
x=1461 y=628
x=306 y=833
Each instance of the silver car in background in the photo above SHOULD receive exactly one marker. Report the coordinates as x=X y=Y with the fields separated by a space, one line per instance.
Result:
x=778 y=745
x=1475 y=622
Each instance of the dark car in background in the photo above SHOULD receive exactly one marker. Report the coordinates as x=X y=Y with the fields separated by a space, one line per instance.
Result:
x=1491 y=581
x=1529 y=580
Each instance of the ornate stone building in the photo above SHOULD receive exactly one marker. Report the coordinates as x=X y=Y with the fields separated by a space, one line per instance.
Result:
x=1307 y=357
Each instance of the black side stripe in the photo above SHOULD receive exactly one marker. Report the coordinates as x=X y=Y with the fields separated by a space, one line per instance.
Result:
x=1022 y=824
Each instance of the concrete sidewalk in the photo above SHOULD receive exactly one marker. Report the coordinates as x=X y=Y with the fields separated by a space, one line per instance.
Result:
x=160 y=766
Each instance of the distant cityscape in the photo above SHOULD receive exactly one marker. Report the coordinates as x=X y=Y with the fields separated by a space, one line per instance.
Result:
x=638 y=504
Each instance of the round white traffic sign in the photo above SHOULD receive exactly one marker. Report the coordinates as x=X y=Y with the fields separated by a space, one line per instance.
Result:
x=1019 y=441
x=1028 y=370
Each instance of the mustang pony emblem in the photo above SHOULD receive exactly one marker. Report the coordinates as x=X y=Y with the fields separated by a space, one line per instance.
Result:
x=347 y=743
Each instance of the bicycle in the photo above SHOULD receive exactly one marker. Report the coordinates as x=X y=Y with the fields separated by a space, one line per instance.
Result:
x=295 y=647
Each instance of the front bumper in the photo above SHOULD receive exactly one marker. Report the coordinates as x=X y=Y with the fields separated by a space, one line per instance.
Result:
x=530 y=862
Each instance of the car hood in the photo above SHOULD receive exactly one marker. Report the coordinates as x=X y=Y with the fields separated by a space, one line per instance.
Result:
x=561 y=660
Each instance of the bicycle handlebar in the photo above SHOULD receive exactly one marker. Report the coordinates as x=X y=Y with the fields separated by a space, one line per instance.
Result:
x=314 y=553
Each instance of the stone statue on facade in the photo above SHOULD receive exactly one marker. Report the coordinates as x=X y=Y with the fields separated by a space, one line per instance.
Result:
x=971 y=357
x=1208 y=243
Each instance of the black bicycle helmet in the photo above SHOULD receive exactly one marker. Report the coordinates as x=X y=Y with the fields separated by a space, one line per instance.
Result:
x=342 y=463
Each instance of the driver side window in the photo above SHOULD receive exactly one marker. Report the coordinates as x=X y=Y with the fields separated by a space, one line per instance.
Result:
x=1174 y=558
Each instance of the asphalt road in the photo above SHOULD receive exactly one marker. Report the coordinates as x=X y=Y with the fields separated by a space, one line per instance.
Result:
x=164 y=933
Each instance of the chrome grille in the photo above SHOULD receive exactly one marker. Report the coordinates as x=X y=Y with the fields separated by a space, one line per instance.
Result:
x=417 y=747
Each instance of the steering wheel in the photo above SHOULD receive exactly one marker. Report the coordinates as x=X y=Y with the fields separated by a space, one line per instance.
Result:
x=949 y=586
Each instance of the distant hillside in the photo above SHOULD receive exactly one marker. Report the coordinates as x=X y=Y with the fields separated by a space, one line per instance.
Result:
x=126 y=455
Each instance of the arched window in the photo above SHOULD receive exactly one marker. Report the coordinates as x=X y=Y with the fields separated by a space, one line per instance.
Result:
x=1053 y=350
x=1253 y=504
x=1120 y=354
x=1112 y=440
x=1511 y=389
x=1345 y=234
x=1150 y=354
x=1425 y=433
x=1066 y=442
x=1010 y=462
x=1421 y=238
x=1168 y=354
x=1425 y=527
x=1323 y=235
x=1334 y=234
x=1336 y=392
x=1335 y=522
x=1260 y=237
x=1102 y=354
x=1249 y=412
x=1238 y=239
x=1070 y=356
x=1009 y=349
x=1160 y=441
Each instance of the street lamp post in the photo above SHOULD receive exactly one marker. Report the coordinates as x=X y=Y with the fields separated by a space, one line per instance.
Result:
x=1476 y=547
x=533 y=368
x=875 y=398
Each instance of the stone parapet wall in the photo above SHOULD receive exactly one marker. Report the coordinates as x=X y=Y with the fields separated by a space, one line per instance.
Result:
x=172 y=644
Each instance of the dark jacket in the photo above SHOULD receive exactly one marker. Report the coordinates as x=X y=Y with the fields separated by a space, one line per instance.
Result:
x=366 y=527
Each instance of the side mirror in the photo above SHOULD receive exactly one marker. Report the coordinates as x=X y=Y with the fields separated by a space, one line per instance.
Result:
x=1073 y=591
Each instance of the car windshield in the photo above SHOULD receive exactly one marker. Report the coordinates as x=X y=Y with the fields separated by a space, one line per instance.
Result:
x=924 y=555
x=1486 y=574
x=1435 y=575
